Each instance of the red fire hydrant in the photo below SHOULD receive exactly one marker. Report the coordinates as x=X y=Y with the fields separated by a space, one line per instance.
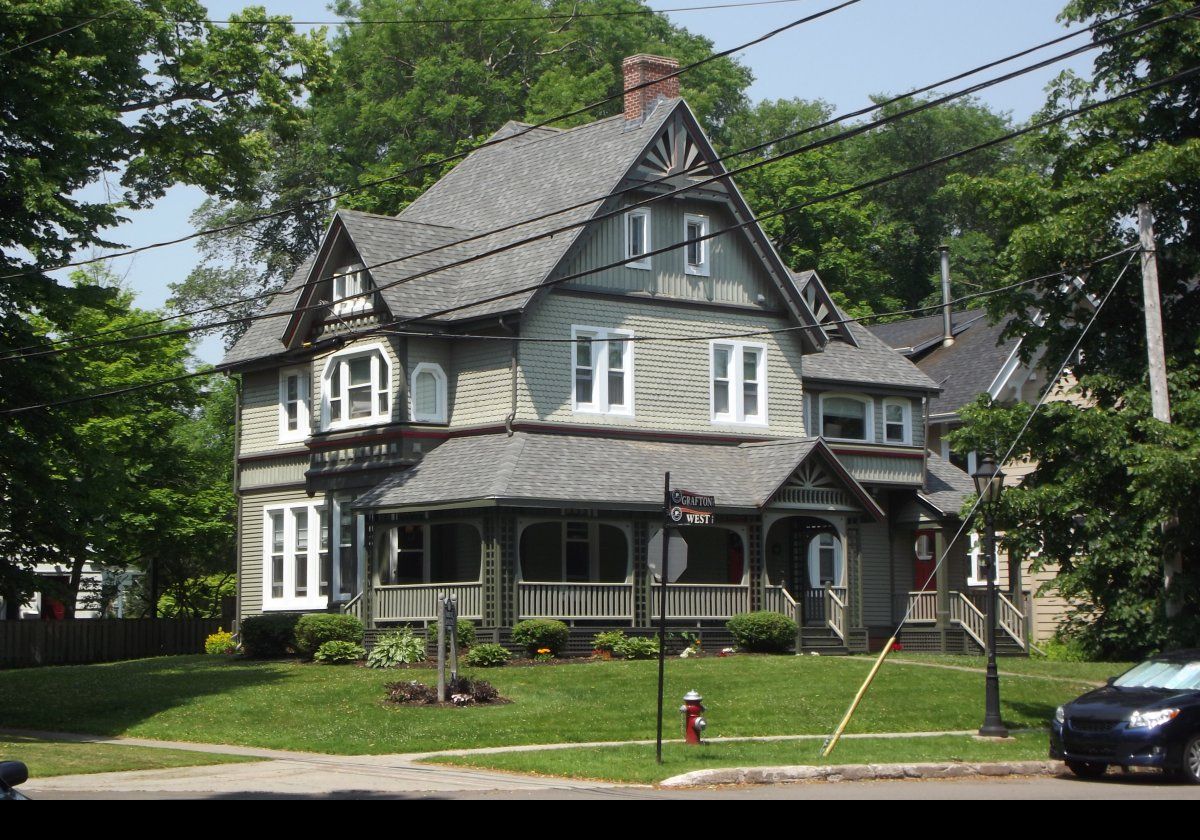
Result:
x=694 y=723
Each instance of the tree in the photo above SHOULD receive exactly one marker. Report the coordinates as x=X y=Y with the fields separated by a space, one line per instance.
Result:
x=1108 y=475
x=120 y=94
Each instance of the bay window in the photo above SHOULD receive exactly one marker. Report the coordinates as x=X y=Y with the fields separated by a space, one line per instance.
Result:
x=847 y=417
x=356 y=389
x=738 y=382
x=293 y=574
x=602 y=371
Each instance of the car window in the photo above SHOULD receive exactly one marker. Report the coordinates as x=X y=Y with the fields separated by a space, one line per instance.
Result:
x=1179 y=676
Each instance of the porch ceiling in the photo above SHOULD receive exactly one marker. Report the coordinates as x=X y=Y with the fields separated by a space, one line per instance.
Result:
x=584 y=471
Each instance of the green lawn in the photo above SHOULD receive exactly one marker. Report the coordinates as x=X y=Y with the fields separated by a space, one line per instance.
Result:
x=55 y=758
x=287 y=705
x=1096 y=672
x=636 y=763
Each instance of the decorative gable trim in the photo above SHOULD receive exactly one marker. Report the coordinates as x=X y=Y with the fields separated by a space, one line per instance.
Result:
x=819 y=474
x=821 y=303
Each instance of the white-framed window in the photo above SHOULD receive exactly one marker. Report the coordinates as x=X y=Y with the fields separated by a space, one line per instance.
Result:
x=825 y=561
x=738 y=382
x=976 y=572
x=897 y=421
x=356 y=388
x=295 y=571
x=695 y=254
x=601 y=371
x=848 y=417
x=350 y=286
x=347 y=567
x=637 y=238
x=427 y=393
x=295 y=411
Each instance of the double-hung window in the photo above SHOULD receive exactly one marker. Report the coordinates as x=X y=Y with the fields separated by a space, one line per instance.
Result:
x=847 y=417
x=428 y=392
x=738 y=382
x=602 y=371
x=294 y=411
x=695 y=253
x=637 y=238
x=295 y=537
x=356 y=388
x=897 y=421
x=350 y=287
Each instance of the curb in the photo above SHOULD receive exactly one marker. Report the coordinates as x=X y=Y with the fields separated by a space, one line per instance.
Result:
x=859 y=773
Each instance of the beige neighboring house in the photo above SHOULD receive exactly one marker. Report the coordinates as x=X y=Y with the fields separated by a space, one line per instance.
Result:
x=971 y=361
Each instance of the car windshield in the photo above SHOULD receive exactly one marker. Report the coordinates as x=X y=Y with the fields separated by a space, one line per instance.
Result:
x=1179 y=676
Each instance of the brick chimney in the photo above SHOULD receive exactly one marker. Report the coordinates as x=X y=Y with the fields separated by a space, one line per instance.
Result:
x=640 y=69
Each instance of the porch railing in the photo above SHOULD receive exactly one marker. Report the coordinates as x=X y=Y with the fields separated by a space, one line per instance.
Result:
x=612 y=601
x=816 y=604
x=419 y=602
x=968 y=611
x=701 y=601
x=1010 y=619
x=355 y=607
x=778 y=599
x=965 y=614
x=835 y=611
x=922 y=607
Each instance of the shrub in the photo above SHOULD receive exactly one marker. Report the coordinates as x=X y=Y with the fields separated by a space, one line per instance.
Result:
x=636 y=647
x=316 y=629
x=536 y=633
x=220 y=643
x=608 y=640
x=337 y=652
x=399 y=648
x=487 y=655
x=269 y=636
x=764 y=632
x=410 y=692
x=1060 y=649
x=466 y=634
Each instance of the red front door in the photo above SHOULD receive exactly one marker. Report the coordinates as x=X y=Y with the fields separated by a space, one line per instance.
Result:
x=924 y=562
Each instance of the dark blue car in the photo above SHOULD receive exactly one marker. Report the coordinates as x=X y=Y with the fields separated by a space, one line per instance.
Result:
x=1147 y=717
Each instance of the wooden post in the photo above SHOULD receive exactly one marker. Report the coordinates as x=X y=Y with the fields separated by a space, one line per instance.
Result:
x=441 y=644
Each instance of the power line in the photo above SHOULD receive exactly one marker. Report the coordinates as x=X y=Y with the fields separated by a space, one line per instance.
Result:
x=462 y=336
x=440 y=161
x=56 y=34
x=552 y=16
x=547 y=234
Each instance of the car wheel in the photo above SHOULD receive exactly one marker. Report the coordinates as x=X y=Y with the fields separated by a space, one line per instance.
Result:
x=1191 y=760
x=1087 y=769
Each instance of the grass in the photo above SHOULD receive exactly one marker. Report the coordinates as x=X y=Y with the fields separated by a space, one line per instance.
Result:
x=288 y=705
x=1096 y=672
x=636 y=764
x=56 y=758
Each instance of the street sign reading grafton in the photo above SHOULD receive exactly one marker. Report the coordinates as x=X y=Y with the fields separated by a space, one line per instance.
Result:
x=688 y=508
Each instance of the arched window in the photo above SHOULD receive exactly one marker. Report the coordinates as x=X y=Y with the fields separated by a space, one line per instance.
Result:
x=428 y=393
x=825 y=563
x=847 y=417
x=356 y=388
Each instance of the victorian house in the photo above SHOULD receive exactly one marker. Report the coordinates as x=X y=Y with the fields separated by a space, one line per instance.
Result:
x=453 y=400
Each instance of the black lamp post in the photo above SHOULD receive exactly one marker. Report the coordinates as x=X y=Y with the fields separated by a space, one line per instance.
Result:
x=989 y=483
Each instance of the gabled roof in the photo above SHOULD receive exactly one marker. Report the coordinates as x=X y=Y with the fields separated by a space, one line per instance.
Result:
x=493 y=187
x=578 y=471
x=968 y=367
x=914 y=336
x=947 y=488
x=870 y=363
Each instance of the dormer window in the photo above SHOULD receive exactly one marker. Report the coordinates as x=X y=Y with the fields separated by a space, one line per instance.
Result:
x=350 y=287
x=356 y=388
x=637 y=238
x=897 y=421
x=848 y=417
x=428 y=393
x=695 y=259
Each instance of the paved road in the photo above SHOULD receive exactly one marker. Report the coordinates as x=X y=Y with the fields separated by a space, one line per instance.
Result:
x=1142 y=786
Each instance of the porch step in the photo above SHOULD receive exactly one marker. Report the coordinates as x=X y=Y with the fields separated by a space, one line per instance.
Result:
x=822 y=640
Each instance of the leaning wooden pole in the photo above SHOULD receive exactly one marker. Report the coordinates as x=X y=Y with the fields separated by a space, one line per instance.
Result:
x=837 y=734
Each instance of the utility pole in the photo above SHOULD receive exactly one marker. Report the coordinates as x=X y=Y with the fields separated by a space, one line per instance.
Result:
x=1159 y=397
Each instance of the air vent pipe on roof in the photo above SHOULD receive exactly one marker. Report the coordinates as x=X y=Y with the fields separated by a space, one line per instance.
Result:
x=947 y=321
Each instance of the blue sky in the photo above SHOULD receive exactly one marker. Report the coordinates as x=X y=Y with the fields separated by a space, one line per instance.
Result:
x=876 y=46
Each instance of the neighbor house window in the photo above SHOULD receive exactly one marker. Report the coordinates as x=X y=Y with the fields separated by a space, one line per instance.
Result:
x=294 y=411
x=292 y=575
x=637 y=238
x=350 y=287
x=847 y=417
x=738 y=382
x=428 y=393
x=897 y=421
x=695 y=259
x=356 y=388
x=602 y=371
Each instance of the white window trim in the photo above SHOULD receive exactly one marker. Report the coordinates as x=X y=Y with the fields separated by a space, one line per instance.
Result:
x=335 y=549
x=868 y=402
x=594 y=548
x=645 y=261
x=704 y=269
x=975 y=560
x=737 y=408
x=376 y=416
x=601 y=404
x=440 y=413
x=839 y=559
x=906 y=406
x=304 y=414
x=345 y=304
x=289 y=601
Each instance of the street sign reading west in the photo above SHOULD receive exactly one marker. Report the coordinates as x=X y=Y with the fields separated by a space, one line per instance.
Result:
x=688 y=508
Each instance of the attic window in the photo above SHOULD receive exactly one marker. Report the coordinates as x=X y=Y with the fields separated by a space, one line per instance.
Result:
x=350 y=287
x=695 y=259
x=637 y=238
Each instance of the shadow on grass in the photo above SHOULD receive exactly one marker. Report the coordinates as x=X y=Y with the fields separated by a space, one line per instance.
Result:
x=111 y=698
